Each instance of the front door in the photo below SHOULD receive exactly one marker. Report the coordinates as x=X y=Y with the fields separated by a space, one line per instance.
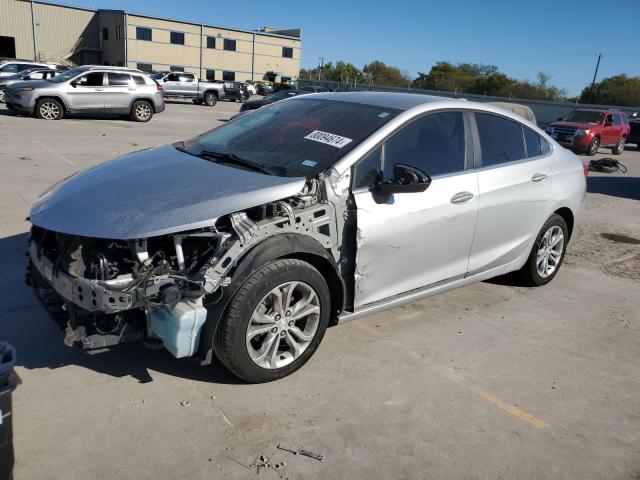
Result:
x=172 y=85
x=412 y=240
x=88 y=92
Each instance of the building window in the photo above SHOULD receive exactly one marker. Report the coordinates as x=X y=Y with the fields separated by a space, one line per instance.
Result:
x=143 y=33
x=105 y=33
x=211 y=42
x=119 y=32
x=230 y=45
x=177 y=38
x=287 y=52
x=229 y=76
x=176 y=68
x=145 y=67
x=210 y=74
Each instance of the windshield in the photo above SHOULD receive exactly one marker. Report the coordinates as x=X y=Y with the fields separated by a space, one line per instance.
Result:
x=593 y=118
x=296 y=138
x=68 y=75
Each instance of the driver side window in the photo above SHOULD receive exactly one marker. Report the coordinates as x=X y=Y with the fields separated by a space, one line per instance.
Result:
x=91 y=80
x=435 y=144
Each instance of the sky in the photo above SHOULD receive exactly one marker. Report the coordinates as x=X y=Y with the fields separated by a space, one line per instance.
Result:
x=521 y=37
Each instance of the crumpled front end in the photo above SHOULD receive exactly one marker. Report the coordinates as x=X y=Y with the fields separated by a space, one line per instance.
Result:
x=110 y=291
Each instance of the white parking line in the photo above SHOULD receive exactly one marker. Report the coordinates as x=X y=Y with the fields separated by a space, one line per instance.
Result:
x=53 y=152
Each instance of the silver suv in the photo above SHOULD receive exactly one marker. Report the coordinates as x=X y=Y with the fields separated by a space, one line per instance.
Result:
x=88 y=89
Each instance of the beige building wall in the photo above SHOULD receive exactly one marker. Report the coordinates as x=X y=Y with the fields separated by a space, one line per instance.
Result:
x=61 y=29
x=15 y=21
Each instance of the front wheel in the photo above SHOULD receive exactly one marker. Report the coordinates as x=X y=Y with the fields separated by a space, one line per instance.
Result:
x=49 y=109
x=593 y=147
x=141 y=111
x=547 y=253
x=619 y=148
x=275 y=322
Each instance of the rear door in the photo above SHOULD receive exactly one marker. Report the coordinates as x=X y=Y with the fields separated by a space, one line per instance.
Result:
x=118 y=91
x=514 y=181
x=413 y=240
x=86 y=92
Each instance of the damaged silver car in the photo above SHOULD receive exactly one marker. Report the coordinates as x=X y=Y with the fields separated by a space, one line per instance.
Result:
x=249 y=240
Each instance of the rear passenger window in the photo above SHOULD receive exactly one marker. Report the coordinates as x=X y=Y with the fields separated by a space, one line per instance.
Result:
x=616 y=120
x=434 y=144
x=533 y=142
x=138 y=80
x=118 y=79
x=500 y=139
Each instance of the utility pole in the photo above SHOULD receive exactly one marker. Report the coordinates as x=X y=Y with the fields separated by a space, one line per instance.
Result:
x=320 y=69
x=595 y=74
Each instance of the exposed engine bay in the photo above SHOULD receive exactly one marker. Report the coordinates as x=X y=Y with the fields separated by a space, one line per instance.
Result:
x=110 y=291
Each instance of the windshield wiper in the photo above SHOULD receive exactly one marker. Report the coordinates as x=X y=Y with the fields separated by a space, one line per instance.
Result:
x=234 y=159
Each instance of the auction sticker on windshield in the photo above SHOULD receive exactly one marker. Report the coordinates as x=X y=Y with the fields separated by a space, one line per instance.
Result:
x=328 y=138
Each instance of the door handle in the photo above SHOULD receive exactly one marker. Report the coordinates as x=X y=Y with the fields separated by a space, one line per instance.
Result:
x=538 y=177
x=461 y=197
x=131 y=89
x=98 y=89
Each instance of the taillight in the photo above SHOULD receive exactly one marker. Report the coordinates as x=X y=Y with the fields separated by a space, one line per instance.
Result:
x=585 y=169
x=159 y=87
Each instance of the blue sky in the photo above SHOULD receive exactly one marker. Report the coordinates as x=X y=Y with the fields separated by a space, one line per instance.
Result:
x=521 y=37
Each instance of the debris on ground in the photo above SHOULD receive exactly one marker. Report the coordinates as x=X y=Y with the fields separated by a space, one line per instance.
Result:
x=302 y=451
x=185 y=403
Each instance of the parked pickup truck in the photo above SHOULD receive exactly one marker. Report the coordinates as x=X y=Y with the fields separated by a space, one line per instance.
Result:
x=187 y=85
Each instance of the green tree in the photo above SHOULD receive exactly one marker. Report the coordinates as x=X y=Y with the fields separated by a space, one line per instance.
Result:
x=381 y=74
x=617 y=90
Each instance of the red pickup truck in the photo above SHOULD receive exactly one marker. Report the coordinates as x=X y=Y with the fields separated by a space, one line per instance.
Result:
x=587 y=130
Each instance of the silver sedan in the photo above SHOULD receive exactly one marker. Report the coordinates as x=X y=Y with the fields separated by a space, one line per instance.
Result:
x=246 y=242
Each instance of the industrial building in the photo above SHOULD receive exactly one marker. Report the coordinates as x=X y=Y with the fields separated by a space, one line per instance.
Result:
x=49 y=32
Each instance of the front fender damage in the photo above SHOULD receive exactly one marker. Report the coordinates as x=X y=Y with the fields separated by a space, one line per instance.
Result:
x=105 y=292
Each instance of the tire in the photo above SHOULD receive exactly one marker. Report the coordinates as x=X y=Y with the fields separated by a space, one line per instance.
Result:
x=593 y=147
x=531 y=273
x=270 y=354
x=2 y=95
x=210 y=99
x=49 y=109
x=243 y=99
x=619 y=148
x=141 y=111
x=197 y=101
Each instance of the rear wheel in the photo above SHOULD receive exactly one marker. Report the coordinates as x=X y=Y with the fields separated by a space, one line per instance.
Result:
x=593 y=147
x=49 y=109
x=141 y=111
x=210 y=99
x=547 y=253
x=275 y=322
x=619 y=148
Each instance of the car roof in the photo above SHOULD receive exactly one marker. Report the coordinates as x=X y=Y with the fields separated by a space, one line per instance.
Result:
x=398 y=101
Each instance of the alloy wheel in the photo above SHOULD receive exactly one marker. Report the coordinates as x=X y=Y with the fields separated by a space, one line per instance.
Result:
x=595 y=144
x=283 y=325
x=49 y=111
x=143 y=111
x=550 y=251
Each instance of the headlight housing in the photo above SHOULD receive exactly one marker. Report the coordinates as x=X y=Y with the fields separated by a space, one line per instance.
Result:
x=581 y=132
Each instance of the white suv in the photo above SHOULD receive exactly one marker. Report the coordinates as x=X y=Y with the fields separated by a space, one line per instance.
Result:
x=11 y=67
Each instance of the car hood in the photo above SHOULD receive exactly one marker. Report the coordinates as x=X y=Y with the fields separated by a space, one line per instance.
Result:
x=154 y=192
x=584 y=126
x=29 y=83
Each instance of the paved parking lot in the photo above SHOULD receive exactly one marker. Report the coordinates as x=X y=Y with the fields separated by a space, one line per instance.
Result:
x=490 y=381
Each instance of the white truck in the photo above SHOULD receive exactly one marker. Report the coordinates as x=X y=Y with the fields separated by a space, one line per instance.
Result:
x=187 y=85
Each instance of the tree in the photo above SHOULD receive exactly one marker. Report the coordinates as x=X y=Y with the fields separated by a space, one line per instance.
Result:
x=617 y=90
x=381 y=74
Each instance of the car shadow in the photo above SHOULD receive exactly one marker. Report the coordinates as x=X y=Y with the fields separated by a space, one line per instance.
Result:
x=615 y=186
x=38 y=340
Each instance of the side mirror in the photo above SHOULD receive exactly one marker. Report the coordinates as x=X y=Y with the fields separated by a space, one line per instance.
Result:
x=74 y=84
x=406 y=179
